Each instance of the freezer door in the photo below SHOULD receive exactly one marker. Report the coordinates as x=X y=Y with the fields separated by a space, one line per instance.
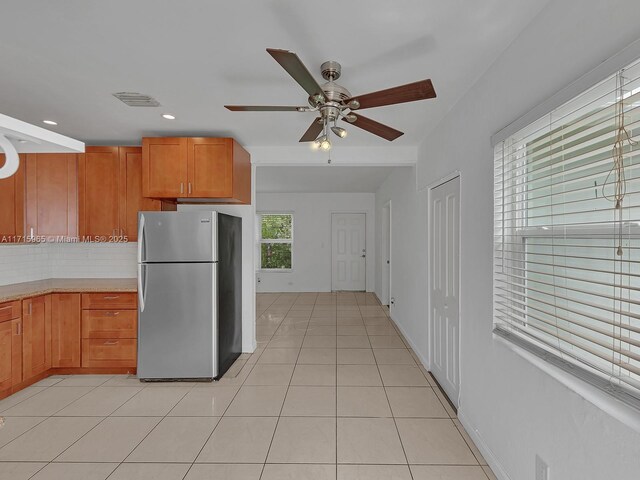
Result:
x=178 y=321
x=177 y=237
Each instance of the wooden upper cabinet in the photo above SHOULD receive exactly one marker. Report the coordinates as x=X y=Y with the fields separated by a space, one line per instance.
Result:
x=65 y=330
x=12 y=204
x=208 y=167
x=131 y=199
x=164 y=167
x=213 y=168
x=36 y=336
x=99 y=186
x=51 y=195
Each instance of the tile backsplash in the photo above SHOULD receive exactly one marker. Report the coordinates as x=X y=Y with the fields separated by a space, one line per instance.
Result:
x=24 y=263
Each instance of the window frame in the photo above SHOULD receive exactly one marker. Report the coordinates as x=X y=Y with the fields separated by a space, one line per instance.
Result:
x=262 y=241
x=520 y=234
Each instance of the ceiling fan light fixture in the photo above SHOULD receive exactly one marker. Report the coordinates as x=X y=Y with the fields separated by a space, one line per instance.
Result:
x=325 y=144
x=322 y=142
x=339 y=131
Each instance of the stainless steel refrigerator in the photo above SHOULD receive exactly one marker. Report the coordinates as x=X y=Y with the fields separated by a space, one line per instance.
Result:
x=189 y=294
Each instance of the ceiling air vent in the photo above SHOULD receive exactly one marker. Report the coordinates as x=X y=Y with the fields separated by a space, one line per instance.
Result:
x=134 y=99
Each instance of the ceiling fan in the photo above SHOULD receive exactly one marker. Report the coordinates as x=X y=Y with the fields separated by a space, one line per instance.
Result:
x=333 y=101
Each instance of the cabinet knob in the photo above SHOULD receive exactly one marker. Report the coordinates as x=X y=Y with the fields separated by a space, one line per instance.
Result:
x=181 y=187
x=189 y=188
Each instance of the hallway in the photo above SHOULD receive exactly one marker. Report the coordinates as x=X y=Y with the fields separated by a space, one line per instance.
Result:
x=353 y=394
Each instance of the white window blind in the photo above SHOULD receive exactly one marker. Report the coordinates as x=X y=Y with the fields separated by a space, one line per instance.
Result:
x=567 y=261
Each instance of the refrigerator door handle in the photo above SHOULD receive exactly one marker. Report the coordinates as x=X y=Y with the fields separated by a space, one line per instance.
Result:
x=142 y=285
x=141 y=245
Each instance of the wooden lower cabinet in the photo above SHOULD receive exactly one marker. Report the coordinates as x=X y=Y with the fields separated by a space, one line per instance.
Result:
x=109 y=301
x=109 y=324
x=16 y=351
x=65 y=330
x=109 y=330
x=6 y=342
x=36 y=336
x=112 y=352
x=66 y=333
x=10 y=347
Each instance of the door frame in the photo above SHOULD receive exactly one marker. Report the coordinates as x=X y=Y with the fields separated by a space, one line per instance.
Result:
x=432 y=186
x=366 y=248
x=387 y=242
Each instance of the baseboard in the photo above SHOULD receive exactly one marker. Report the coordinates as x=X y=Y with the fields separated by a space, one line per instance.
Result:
x=486 y=452
x=406 y=338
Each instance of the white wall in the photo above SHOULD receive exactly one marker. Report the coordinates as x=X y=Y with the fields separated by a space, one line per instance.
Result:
x=25 y=263
x=513 y=408
x=311 y=259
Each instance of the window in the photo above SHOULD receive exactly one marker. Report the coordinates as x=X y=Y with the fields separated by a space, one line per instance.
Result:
x=567 y=234
x=276 y=241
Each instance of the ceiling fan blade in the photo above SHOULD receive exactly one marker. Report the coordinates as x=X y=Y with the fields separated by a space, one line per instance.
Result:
x=264 y=108
x=410 y=92
x=294 y=67
x=376 y=128
x=313 y=131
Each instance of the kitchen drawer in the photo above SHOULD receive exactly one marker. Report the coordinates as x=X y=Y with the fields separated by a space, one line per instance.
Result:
x=114 y=352
x=109 y=324
x=109 y=301
x=9 y=311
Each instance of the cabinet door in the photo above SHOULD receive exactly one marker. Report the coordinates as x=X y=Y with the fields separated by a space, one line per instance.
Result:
x=99 y=179
x=164 y=167
x=210 y=168
x=6 y=341
x=16 y=350
x=131 y=199
x=12 y=204
x=52 y=195
x=65 y=330
x=36 y=337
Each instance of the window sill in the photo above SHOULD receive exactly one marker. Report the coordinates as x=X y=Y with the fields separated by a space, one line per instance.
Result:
x=613 y=406
x=275 y=270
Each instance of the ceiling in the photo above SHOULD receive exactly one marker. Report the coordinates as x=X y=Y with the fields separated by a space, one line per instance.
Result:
x=320 y=179
x=63 y=60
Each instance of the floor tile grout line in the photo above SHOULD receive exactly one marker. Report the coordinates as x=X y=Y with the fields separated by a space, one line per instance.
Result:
x=395 y=424
x=220 y=418
x=53 y=415
x=275 y=430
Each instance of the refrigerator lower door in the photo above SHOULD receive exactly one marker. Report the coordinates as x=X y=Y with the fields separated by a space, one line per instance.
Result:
x=177 y=321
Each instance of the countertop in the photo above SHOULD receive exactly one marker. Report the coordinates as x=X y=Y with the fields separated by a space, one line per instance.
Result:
x=18 y=291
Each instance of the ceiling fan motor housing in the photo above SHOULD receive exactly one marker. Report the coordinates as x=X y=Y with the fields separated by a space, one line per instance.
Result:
x=330 y=70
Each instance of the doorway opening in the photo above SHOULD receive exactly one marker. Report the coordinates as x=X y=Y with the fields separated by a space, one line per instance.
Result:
x=386 y=254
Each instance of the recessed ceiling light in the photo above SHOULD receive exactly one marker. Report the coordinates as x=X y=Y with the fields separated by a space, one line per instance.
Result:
x=168 y=116
x=49 y=122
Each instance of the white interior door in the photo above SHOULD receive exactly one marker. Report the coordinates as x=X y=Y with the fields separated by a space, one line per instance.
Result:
x=348 y=265
x=444 y=263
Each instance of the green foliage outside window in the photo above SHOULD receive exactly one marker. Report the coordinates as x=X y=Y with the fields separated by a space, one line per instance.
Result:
x=276 y=254
x=276 y=227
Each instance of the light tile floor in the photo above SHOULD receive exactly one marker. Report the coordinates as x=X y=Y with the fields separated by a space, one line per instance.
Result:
x=331 y=393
